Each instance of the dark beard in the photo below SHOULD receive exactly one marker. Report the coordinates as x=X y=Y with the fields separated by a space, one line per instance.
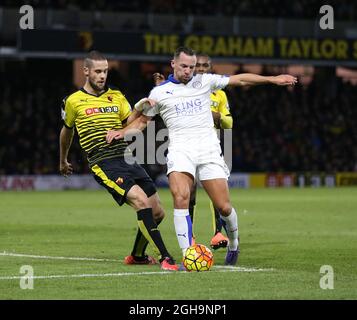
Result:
x=95 y=87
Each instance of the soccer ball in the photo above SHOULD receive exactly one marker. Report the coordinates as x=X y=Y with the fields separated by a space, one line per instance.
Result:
x=198 y=258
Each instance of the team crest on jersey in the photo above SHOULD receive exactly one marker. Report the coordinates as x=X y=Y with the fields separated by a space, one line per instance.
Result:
x=119 y=181
x=110 y=98
x=197 y=84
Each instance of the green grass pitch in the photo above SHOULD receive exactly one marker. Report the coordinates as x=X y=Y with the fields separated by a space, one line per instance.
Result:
x=286 y=236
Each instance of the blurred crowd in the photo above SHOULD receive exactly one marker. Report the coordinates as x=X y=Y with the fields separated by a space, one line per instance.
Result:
x=30 y=101
x=308 y=128
x=302 y=9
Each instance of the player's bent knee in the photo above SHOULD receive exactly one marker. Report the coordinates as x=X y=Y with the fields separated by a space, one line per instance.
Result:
x=142 y=204
x=139 y=202
x=181 y=200
x=181 y=196
x=159 y=213
x=138 y=199
x=225 y=209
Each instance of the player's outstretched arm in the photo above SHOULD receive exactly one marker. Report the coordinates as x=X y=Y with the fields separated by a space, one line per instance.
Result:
x=66 y=137
x=133 y=116
x=249 y=79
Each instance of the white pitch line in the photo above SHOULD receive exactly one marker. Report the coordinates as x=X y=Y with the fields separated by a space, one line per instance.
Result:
x=214 y=269
x=8 y=254
x=123 y=274
x=89 y=275
x=243 y=269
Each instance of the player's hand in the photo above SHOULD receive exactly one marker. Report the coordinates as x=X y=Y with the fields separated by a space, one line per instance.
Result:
x=158 y=78
x=285 y=80
x=65 y=168
x=151 y=102
x=144 y=103
x=114 y=135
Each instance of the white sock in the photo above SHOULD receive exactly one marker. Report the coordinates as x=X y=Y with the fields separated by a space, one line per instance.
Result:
x=232 y=229
x=183 y=228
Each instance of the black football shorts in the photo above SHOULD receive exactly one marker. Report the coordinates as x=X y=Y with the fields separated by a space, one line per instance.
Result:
x=118 y=176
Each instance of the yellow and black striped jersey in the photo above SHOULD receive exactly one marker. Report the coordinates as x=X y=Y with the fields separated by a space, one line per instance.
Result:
x=219 y=103
x=93 y=116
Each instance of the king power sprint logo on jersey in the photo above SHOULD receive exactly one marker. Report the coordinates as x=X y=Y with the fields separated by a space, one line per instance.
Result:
x=190 y=107
x=151 y=148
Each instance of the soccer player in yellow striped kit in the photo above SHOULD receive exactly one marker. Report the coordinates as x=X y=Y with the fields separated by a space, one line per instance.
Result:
x=222 y=120
x=94 y=110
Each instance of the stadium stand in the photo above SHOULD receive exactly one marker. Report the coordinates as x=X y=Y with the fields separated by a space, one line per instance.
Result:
x=310 y=128
x=301 y=9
